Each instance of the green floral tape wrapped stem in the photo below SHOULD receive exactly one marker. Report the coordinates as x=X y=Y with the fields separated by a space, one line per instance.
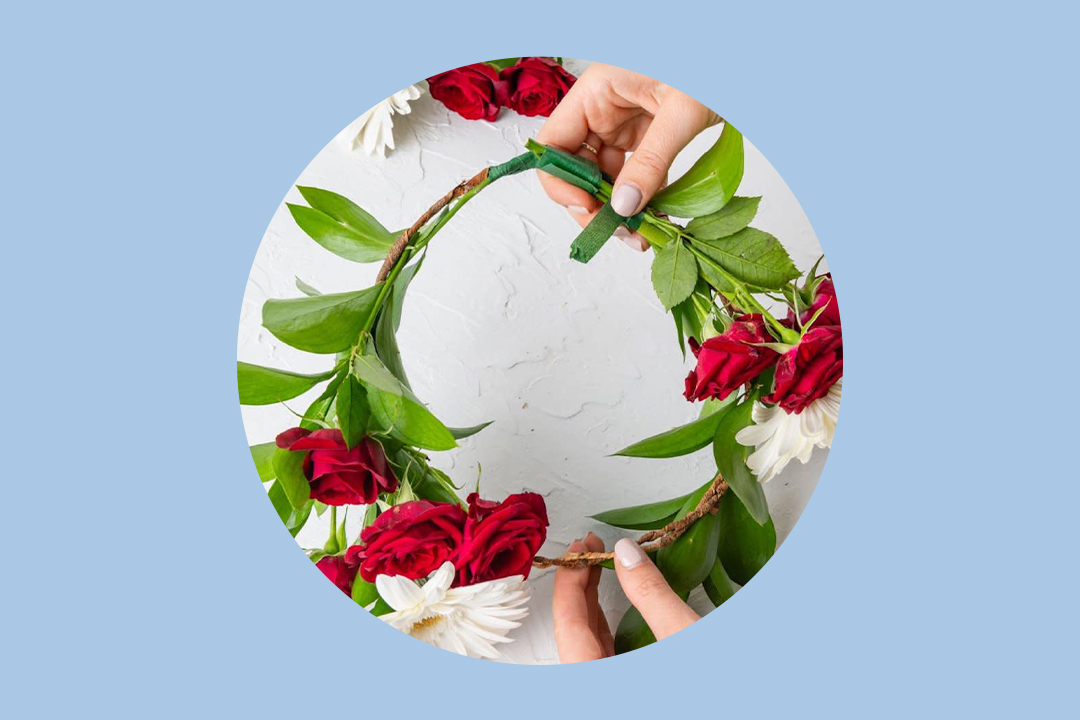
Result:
x=580 y=172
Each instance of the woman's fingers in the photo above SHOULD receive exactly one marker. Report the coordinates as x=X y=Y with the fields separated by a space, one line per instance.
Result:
x=566 y=129
x=679 y=119
x=664 y=612
x=592 y=595
x=574 y=635
x=603 y=631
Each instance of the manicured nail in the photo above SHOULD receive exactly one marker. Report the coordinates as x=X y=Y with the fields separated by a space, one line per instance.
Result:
x=625 y=199
x=577 y=209
x=622 y=233
x=629 y=553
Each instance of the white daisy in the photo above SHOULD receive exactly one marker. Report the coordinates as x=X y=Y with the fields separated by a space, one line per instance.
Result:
x=466 y=620
x=374 y=130
x=778 y=438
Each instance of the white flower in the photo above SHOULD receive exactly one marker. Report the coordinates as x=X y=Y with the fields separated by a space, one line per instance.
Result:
x=374 y=130
x=466 y=620
x=778 y=438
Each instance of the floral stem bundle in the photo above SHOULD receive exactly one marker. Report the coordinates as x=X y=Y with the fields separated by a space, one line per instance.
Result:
x=453 y=572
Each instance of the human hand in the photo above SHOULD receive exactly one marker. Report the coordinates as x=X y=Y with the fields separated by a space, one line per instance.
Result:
x=581 y=630
x=616 y=111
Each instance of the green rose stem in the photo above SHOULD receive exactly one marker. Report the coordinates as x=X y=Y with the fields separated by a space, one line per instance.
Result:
x=331 y=546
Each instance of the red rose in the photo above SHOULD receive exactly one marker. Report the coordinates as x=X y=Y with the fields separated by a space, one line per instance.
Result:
x=501 y=539
x=340 y=476
x=535 y=85
x=413 y=539
x=824 y=297
x=807 y=371
x=474 y=91
x=340 y=571
x=727 y=361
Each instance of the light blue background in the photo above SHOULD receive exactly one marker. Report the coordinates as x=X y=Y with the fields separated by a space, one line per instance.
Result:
x=933 y=146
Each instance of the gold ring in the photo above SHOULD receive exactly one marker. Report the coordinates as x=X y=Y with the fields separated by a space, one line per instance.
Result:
x=590 y=148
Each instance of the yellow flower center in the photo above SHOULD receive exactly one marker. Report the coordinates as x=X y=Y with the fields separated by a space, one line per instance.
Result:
x=428 y=622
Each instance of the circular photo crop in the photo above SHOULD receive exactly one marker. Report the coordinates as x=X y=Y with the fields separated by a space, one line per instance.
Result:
x=539 y=361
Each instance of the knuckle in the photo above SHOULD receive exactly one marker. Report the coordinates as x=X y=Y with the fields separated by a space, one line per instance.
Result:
x=650 y=161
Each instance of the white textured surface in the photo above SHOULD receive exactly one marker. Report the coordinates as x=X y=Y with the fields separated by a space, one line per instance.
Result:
x=571 y=361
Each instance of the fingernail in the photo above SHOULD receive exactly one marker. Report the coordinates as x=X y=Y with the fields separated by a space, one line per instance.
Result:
x=622 y=233
x=625 y=199
x=577 y=209
x=576 y=547
x=629 y=553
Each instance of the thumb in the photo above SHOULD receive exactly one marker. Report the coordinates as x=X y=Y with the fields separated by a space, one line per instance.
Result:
x=678 y=121
x=663 y=611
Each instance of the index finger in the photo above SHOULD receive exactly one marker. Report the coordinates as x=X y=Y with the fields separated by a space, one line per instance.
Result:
x=566 y=129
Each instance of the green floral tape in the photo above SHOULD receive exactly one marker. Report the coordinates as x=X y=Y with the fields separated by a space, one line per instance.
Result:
x=602 y=227
x=578 y=171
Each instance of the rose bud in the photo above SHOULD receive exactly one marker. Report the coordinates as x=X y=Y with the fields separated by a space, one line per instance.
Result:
x=807 y=371
x=535 y=85
x=730 y=360
x=474 y=91
x=824 y=297
x=412 y=539
x=338 y=475
x=501 y=539
x=340 y=571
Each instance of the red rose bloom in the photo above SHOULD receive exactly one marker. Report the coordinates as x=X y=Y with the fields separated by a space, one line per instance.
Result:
x=340 y=571
x=824 y=297
x=535 y=85
x=807 y=371
x=340 y=476
x=727 y=361
x=412 y=539
x=501 y=539
x=474 y=91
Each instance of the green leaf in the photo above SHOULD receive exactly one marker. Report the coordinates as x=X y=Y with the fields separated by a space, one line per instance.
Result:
x=386 y=345
x=352 y=411
x=709 y=184
x=731 y=459
x=753 y=256
x=263 y=455
x=745 y=546
x=718 y=585
x=674 y=274
x=340 y=239
x=682 y=440
x=293 y=519
x=728 y=220
x=389 y=321
x=401 y=285
x=341 y=226
x=381 y=608
x=462 y=433
x=632 y=633
x=686 y=562
x=305 y=288
x=289 y=469
x=503 y=63
x=322 y=324
x=264 y=386
x=398 y=410
x=363 y=592
x=644 y=517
